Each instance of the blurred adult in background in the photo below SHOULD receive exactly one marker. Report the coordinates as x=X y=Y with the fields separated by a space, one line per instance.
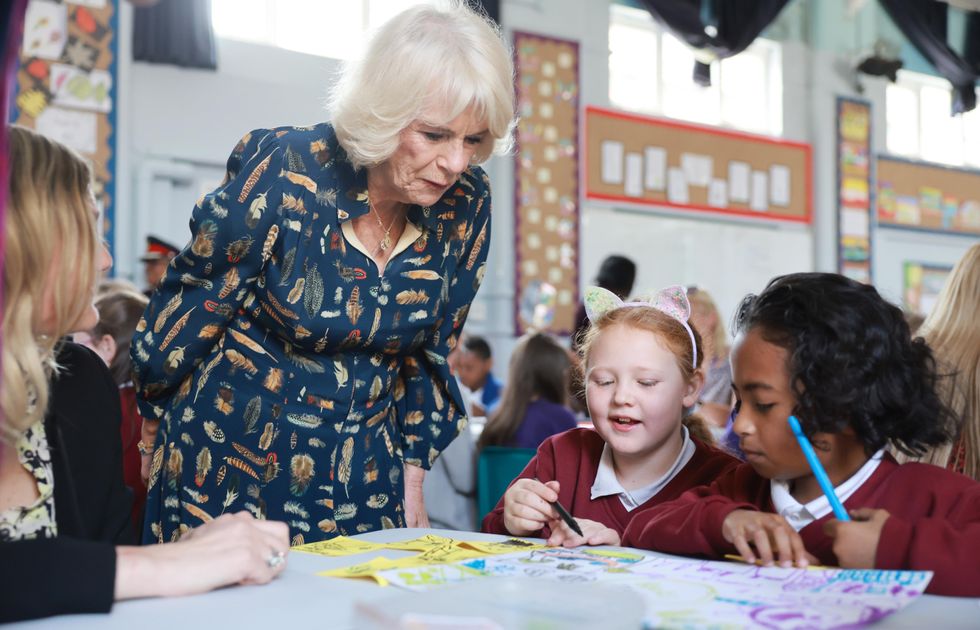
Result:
x=119 y=311
x=715 y=401
x=533 y=406
x=64 y=509
x=475 y=370
x=952 y=330
x=617 y=274
x=158 y=255
x=294 y=354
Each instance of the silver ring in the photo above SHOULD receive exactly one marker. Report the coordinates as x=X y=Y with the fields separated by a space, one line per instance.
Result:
x=276 y=559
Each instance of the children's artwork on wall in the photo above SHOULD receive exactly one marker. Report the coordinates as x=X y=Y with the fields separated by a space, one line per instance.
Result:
x=66 y=85
x=931 y=197
x=659 y=163
x=854 y=218
x=921 y=286
x=546 y=203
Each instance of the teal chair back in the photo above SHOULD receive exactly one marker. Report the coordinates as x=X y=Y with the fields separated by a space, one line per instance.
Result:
x=495 y=469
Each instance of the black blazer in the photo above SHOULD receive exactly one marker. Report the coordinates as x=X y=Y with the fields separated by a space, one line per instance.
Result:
x=75 y=572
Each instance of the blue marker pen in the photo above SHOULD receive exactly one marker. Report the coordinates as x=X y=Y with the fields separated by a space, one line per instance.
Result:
x=818 y=471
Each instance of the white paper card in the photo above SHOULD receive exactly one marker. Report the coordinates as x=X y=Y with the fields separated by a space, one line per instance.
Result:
x=760 y=191
x=677 y=186
x=854 y=223
x=74 y=128
x=634 y=175
x=45 y=29
x=612 y=162
x=85 y=90
x=779 y=185
x=738 y=182
x=718 y=193
x=655 y=176
x=95 y=4
x=697 y=168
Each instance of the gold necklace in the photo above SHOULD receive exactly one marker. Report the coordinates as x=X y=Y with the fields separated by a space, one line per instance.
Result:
x=386 y=241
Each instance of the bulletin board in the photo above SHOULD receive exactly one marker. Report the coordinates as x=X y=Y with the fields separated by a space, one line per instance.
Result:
x=854 y=215
x=656 y=162
x=546 y=204
x=925 y=196
x=66 y=84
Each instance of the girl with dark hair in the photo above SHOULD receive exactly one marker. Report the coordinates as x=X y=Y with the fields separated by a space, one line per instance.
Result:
x=533 y=405
x=836 y=355
x=642 y=363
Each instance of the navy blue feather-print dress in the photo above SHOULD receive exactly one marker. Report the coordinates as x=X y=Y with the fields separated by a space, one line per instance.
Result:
x=291 y=378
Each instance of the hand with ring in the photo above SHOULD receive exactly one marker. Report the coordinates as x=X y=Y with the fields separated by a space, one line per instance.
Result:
x=231 y=549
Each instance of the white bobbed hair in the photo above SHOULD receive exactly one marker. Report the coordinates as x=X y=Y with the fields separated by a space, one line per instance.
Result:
x=426 y=59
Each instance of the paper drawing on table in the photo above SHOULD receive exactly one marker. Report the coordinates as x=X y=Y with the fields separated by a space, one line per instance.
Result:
x=339 y=546
x=686 y=593
x=554 y=563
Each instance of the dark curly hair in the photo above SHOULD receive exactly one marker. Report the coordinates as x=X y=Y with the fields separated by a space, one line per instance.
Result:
x=852 y=361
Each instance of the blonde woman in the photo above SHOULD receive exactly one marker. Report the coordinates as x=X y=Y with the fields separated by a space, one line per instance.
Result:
x=715 y=403
x=64 y=510
x=952 y=330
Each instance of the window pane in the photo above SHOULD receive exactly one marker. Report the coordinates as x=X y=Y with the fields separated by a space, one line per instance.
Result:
x=942 y=134
x=241 y=19
x=902 y=116
x=682 y=97
x=632 y=67
x=971 y=136
x=745 y=98
x=330 y=29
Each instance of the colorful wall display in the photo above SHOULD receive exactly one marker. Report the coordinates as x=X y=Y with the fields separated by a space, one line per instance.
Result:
x=921 y=285
x=854 y=216
x=66 y=84
x=546 y=205
x=926 y=196
x=679 y=166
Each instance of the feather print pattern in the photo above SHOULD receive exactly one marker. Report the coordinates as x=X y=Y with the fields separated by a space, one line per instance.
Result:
x=292 y=380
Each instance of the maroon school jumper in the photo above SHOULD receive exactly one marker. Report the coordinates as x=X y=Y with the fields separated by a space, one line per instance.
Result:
x=572 y=458
x=934 y=523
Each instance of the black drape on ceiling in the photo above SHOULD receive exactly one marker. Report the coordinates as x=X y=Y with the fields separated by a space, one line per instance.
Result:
x=736 y=22
x=176 y=32
x=924 y=23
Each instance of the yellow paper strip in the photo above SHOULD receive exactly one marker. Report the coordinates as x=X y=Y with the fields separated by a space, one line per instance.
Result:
x=339 y=546
x=510 y=545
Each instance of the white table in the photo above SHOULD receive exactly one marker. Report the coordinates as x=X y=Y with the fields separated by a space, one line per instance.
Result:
x=299 y=596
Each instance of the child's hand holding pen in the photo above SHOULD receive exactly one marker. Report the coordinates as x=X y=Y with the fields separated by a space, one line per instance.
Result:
x=765 y=537
x=856 y=541
x=528 y=506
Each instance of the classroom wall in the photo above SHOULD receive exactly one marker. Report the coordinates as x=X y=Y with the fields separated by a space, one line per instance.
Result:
x=176 y=127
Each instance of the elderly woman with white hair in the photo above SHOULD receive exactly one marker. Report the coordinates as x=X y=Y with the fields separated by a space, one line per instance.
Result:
x=293 y=359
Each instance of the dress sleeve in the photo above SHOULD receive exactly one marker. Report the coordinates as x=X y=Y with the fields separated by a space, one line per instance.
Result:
x=433 y=412
x=233 y=231
x=55 y=576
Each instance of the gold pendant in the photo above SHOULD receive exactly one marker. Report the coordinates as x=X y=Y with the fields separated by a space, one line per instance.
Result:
x=386 y=242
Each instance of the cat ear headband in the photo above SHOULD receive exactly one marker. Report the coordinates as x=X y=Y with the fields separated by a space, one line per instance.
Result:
x=671 y=301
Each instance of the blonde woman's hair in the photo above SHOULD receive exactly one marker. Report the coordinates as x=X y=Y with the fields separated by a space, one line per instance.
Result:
x=51 y=244
x=425 y=58
x=699 y=298
x=953 y=333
